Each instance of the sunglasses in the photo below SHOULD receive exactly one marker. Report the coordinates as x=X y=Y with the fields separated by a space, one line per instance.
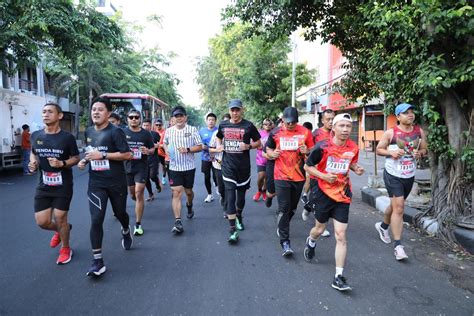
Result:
x=134 y=117
x=158 y=124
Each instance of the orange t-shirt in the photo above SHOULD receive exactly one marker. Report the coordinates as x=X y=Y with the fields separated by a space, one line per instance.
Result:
x=25 y=140
x=288 y=166
x=320 y=134
x=328 y=157
x=161 y=151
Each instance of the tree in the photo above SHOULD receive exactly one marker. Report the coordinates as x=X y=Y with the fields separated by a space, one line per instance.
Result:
x=252 y=69
x=30 y=28
x=414 y=51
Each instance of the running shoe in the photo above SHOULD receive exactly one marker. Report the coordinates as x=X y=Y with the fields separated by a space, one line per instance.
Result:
x=127 y=239
x=190 y=211
x=217 y=192
x=150 y=198
x=56 y=239
x=209 y=198
x=178 y=227
x=257 y=195
x=233 y=236
x=239 y=224
x=383 y=233
x=97 y=268
x=304 y=215
x=138 y=230
x=264 y=196
x=268 y=202
x=340 y=284
x=308 y=252
x=304 y=199
x=400 y=253
x=287 y=251
x=326 y=233
x=158 y=188
x=65 y=255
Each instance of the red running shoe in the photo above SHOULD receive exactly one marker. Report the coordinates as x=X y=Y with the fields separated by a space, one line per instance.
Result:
x=55 y=240
x=256 y=197
x=65 y=255
x=264 y=194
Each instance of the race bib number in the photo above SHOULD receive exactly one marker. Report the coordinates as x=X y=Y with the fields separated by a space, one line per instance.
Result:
x=337 y=165
x=100 y=165
x=406 y=165
x=137 y=154
x=289 y=143
x=52 y=178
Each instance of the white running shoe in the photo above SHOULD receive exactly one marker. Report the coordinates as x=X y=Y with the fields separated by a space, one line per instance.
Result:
x=209 y=198
x=304 y=215
x=383 y=233
x=326 y=233
x=399 y=253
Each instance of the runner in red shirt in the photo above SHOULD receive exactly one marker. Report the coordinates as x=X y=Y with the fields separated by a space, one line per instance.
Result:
x=161 y=152
x=288 y=145
x=329 y=162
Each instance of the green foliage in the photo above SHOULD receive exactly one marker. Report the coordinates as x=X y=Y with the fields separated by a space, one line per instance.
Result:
x=252 y=69
x=29 y=28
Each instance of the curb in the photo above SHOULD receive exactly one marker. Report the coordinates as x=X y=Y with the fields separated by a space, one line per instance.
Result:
x=377 y=200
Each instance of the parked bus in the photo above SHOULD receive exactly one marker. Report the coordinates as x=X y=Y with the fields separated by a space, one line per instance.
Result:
x=149 y=106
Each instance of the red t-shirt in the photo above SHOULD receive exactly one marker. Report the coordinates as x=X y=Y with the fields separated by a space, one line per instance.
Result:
x=321 y=134
x=161 y=151
x=25 y=140
x=331 y=158
x=288 y=166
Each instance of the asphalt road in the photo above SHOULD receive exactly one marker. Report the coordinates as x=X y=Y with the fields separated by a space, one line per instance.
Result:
x=199 y=273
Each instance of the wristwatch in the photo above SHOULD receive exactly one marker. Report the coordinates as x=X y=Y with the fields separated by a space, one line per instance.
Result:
x=104 y=155
x=64 y=163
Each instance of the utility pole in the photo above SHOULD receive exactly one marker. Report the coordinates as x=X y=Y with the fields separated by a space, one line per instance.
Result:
x=293 y=74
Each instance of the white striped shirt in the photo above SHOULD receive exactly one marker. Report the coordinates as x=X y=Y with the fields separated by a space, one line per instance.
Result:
x=181 y=138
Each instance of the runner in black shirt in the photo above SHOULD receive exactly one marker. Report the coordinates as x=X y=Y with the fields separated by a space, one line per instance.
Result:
x=153 y=162
x=54 y=152
x=107 y=149
x=141 y=144
x=233 y=138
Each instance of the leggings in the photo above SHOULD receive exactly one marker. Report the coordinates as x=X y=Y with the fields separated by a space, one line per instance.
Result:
x=288 y=195
x=235 y=199
x=153 y=173
x=98 y=198
x=221 y=187
x=207 y=178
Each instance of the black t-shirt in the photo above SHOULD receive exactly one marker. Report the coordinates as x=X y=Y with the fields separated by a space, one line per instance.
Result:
x=232 y=136
x=62 y=146
x=107 y=173
x=135 y=140
x=156 y=139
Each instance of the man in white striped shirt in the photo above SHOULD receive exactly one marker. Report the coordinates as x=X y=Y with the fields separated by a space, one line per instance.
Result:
x=181 y=142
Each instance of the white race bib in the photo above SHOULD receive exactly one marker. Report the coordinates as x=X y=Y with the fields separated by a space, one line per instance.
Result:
x=100 y=165
x=137 y=154
x=337 y=165
x=289 y=143
x=406 y=165
x=52 y=178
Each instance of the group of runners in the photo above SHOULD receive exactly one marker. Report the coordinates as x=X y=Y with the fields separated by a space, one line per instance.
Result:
x=291 y=159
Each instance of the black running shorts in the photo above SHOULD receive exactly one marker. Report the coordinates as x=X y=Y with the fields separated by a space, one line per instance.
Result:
x=55 y=202
x=138 y=176
x=182 y=178
x=324 y=208
x=397 y=186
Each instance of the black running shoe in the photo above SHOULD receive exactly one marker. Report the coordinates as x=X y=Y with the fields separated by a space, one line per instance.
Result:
x=127 y=239
x=308 y=252
x=340 y=284
x=304 y=199
x=97 y=268
x=287 y=251
x=178 y=227
x=268 y=202
x=190 y=211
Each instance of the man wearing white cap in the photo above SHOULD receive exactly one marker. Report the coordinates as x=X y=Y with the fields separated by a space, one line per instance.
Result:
x=329 y=162
x=402 y=146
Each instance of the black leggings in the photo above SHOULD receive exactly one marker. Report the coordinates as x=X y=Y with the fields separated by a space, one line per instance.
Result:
x=288 y=195
x=207 y=178
x=220 y=186
x=153 y=173
x=235 y=200
x=98 y=198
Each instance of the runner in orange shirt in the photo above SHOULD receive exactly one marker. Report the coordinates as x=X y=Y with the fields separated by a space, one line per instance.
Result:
x=288 y=145
x=329 y=162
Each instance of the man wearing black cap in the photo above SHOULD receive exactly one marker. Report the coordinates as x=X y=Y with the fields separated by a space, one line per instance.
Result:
x=288 y=146
x=181 y=141
x=233 y=138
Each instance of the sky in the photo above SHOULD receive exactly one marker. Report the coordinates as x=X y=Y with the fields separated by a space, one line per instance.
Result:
x=186 y=28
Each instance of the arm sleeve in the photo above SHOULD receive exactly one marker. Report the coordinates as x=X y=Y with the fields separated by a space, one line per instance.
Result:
x=315 y=156
x=120 y=141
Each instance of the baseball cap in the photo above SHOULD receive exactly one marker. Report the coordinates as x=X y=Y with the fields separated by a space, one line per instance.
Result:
x=158 y=121
x=178 y=110
x=342 y=117
x=235 y=103
x=403 y=108
x=290 y=115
